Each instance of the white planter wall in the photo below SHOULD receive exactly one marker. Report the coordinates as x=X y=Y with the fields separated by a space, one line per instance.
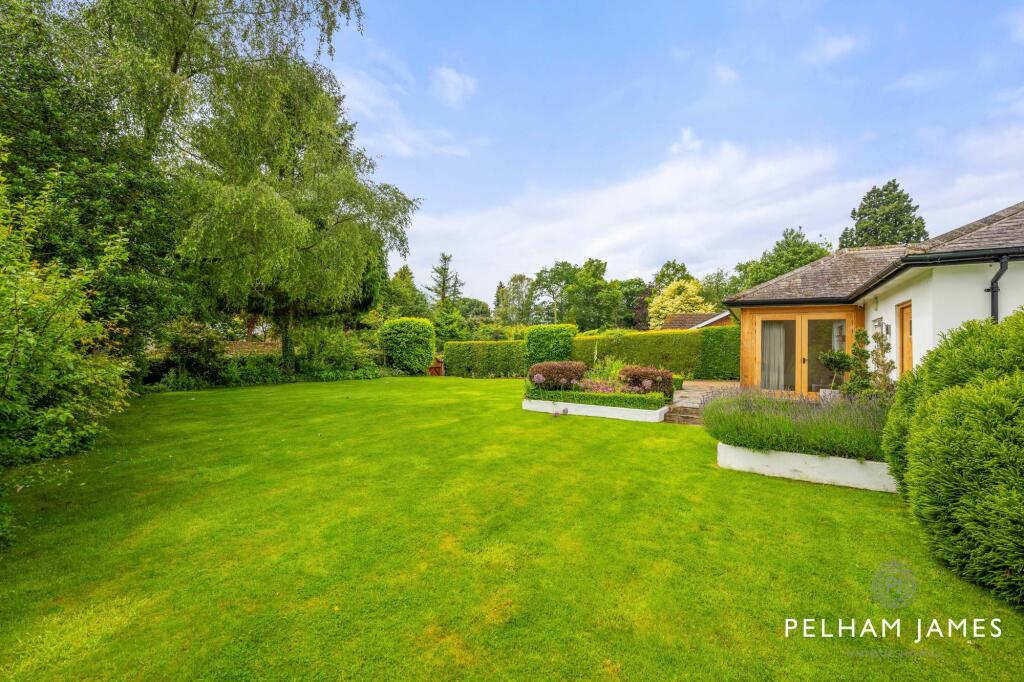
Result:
x=627 y=413
x=851 y=473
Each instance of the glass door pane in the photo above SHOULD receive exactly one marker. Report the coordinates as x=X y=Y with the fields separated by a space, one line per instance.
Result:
x=823 y=335
x=778 y=355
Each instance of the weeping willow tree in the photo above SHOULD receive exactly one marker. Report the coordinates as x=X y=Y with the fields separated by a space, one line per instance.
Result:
x=159 y=55
x=286 y=218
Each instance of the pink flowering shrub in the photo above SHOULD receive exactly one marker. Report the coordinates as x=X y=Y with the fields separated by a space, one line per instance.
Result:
x=647 y=380
x=563 y=376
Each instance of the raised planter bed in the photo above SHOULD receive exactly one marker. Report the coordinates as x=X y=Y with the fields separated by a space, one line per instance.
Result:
x=583 y=410
x=850 y=473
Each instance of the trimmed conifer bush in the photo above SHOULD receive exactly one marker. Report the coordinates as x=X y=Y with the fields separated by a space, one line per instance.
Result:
x=965 y=480
x=976 y=349
x=408 y=344
x=549 y=342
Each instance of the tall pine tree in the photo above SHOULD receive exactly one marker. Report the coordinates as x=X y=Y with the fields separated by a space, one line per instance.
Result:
x=886 y=215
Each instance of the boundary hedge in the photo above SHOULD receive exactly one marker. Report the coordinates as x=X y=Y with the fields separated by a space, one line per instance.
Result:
x=711 y=353
x=485 y=359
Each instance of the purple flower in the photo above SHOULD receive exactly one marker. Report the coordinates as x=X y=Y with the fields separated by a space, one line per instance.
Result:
x=647 y=384
x=562 y=381
x=538 y=378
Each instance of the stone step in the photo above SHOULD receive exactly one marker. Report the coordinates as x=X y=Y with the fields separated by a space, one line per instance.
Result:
x=683 y=414
x=693 y=421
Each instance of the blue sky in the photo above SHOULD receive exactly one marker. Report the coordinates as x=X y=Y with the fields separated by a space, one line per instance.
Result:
x=543 y=131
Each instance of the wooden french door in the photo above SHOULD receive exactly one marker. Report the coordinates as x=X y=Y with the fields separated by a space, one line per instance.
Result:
x=788 y=346
x=904 y=313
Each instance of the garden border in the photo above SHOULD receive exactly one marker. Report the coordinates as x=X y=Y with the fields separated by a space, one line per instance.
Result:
x=586 y=410
x=851 y=473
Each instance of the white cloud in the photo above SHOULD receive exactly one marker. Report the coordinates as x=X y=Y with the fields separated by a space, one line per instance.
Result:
x=1015 y=20
x=1010 y=102
x=829 y=48
x=993 y=146
x=687 y=142
x=712 y=207
x=375 y=103
x=723 y=74
x=920 y=81
x=451 y=87
x=679 y=53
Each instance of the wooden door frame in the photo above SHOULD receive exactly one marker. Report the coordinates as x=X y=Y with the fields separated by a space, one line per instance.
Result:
x=900 y=307
x=853 y=315
x=802 y=348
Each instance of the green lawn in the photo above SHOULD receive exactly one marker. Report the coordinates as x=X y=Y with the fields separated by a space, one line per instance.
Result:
x=425 y=528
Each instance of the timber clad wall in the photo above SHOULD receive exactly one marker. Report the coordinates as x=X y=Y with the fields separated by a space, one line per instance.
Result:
x=750 y=324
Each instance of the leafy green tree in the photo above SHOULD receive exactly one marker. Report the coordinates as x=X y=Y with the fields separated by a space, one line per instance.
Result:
x=162 y=54
x=671 y=271
x=286 y=220
x=641 y=310
x=59 y=116
x=474 y=309
x=550 y=285
x=449 y=325
x=794 y=250
x=633 y=290
x=681 y=296
x=59 y=378
x=886 y=215
x=515 y=302
x=719 y=285
x=402 y=298
x=591 y=300
x=445 y=284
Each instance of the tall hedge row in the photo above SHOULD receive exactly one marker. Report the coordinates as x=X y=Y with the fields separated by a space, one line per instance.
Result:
x=712 y=353
x=483 y=359
x=719 y=353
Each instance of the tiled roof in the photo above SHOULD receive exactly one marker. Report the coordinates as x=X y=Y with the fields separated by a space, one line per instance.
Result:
x=1003 y=229
x=832 y=278
x=686 y=320
x=848 y=273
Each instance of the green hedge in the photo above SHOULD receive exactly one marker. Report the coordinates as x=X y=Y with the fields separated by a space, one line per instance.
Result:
x=711 y=353
x=752 y=419
x=719 y=356
x=965 y=481
x=482 y=359
x=639 y=401
x=408 y=344
x=549 y=342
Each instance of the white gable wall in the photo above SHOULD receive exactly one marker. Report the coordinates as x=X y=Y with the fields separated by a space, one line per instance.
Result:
x=943 y=298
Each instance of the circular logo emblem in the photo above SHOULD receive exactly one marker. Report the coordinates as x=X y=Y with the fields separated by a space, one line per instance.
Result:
x=893 y=585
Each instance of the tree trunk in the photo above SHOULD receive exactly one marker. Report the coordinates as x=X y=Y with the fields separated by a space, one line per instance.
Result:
x=284 y=328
